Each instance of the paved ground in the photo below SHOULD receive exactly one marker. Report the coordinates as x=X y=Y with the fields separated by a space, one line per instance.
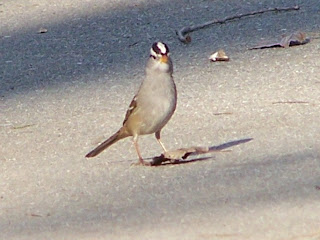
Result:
x=63 y=91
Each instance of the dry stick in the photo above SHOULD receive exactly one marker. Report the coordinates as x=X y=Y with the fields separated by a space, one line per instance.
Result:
x=182 y=33
x=290 y=102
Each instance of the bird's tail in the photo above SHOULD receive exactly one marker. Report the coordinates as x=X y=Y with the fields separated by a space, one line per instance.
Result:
x=111 y=140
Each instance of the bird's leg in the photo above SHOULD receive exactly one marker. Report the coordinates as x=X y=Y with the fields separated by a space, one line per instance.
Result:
x=141 y=161
x=157 y=134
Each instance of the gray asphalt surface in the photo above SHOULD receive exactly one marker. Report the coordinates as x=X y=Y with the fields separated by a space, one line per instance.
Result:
x=63 y=91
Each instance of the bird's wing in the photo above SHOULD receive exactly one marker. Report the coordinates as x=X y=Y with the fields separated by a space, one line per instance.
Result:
x=131 y=109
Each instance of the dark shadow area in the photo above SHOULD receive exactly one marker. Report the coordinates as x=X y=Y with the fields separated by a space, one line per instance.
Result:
x=229 y=144
x=117 y=41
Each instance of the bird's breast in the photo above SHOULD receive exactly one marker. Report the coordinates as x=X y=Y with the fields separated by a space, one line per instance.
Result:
x=158 y=109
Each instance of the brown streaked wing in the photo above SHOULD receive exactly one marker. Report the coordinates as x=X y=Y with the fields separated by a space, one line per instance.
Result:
x=131 y=108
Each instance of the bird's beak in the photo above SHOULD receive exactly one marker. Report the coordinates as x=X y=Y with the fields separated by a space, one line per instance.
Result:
x=164 y=59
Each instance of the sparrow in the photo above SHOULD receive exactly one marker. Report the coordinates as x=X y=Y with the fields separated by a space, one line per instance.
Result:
x=152 y=106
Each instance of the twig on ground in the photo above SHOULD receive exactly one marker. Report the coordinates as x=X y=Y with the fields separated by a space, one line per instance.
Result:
x=290 y=102
x=185 y=38
x=23 y=126
x=222 y=113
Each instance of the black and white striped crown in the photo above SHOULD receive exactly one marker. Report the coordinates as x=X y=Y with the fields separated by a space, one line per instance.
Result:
x=159 y=48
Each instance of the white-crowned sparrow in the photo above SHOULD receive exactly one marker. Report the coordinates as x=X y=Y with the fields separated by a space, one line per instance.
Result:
x=153 y=105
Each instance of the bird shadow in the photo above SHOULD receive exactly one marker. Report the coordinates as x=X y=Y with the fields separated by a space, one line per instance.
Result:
x=180 y=156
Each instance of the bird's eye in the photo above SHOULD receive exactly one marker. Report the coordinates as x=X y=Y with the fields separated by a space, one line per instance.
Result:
x=154 y=57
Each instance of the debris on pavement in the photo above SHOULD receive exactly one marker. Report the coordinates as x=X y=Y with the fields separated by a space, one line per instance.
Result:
x=294 y=39
x=179 y=155
x=219 y=56
x=23 y=126
x=42 y=30
x=290 y=102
